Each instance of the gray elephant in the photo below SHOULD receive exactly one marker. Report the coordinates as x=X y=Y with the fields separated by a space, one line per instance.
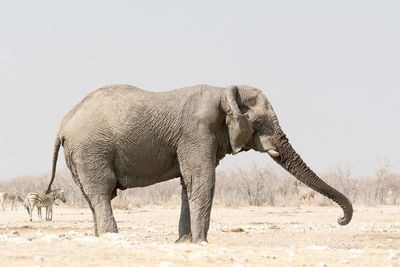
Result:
x=120 y=137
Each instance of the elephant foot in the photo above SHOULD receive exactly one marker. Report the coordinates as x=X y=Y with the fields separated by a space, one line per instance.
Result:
x=201 y=241
x=110 y=230
x=104 y=219
x=107 y=226
x=186 y=238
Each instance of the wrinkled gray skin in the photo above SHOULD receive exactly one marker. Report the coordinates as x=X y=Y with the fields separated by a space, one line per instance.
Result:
x=120 y=137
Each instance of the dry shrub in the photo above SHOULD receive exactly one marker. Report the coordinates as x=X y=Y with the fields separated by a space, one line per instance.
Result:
x=254 y=186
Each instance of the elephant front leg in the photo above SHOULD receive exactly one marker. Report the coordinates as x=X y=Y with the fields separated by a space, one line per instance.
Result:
x=199 y=178
x=185 y=234
x=200 y=208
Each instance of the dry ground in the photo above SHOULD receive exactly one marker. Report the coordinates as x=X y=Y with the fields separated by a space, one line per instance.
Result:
x=251 y=236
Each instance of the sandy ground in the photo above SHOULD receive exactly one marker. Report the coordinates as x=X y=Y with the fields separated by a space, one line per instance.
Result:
x=251 y=236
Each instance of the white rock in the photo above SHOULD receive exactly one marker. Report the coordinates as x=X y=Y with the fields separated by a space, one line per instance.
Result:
x=322 y=264
x=344 y=261
x=49 y=237
x=38 y=259
x=356 y=251
x=203 y=243
x=395 y=255
x=166 y=264
x=264 y=254
x=20 y=240
x=87 y=239
x=184 y=247
x=4 y=237
x=112 y=236
x=223 y=251
x=175 y=255
x=198 y=255
x=314 y=247
x=72 y=232
x=149 y=229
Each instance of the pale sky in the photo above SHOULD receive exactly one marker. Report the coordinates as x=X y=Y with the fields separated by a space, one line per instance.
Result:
x=331 y=69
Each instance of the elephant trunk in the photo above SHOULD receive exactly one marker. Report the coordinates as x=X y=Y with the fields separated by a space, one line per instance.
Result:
x=292 y=162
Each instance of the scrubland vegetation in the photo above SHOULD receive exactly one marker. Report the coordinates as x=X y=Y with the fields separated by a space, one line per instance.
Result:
x=252 y=186
x=256 y=221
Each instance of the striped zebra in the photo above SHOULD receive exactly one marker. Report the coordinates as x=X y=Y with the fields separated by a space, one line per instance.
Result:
x=11 y=197
x=43 y=200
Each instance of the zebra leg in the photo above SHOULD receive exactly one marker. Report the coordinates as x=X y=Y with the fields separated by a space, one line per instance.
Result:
x=2 y=205
x=30 y=211
x=39 y=210
x=49 y=213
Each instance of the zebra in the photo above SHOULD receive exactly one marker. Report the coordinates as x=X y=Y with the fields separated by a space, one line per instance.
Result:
x=43 y=200
x=11 y=197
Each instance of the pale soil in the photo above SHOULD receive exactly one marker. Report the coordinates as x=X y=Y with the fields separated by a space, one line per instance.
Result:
x=251 y=236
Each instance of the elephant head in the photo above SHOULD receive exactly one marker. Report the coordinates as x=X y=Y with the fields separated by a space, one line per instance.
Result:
x=253 y=124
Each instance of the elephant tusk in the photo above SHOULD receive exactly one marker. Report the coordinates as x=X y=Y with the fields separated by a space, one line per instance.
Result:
x=273 y=153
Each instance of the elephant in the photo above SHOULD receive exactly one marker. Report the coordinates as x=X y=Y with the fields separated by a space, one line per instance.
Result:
x=120 y=136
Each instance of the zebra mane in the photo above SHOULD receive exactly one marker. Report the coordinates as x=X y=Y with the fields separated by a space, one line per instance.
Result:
x=56 y=193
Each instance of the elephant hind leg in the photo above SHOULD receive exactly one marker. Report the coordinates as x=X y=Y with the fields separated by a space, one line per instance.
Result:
x=97 y=185
x=104 y=214
x=78 y=182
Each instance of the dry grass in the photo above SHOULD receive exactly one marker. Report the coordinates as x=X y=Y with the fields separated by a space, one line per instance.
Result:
x=254 y=186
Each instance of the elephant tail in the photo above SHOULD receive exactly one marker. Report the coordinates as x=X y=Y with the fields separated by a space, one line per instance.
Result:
x=57 y=145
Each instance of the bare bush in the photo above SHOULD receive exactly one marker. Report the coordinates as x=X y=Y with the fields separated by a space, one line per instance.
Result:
x=254 y=186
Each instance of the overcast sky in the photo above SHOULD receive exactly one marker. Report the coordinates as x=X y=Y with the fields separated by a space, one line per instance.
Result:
x=331 y=69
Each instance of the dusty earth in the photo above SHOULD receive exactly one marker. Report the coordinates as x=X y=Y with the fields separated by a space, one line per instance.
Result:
x=251 y=236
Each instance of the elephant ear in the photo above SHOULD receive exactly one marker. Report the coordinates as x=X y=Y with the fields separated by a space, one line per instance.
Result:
x=239 y=125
